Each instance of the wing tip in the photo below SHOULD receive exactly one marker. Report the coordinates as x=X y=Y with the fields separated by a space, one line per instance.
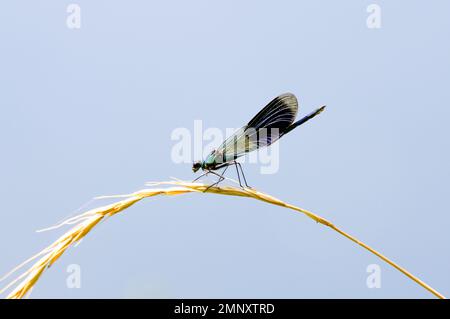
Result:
x=288 y=98
x=287 y=95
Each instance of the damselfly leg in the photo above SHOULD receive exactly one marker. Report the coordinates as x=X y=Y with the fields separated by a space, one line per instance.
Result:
x=210 y=171
x=221 y=178
x=242 y=172
x=204 y=174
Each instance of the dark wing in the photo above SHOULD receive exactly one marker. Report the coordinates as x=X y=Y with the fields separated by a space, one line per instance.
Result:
x=279 y=114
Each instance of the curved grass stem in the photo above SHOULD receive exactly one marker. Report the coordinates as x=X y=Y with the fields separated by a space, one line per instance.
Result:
x=85 y=222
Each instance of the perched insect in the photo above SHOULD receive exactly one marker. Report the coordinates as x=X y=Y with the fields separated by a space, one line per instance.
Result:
x=269 y=125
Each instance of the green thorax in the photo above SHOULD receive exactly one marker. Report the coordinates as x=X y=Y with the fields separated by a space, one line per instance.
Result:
x=209 y=161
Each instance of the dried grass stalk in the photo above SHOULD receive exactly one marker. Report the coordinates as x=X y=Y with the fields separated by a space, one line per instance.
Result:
x=85 y=222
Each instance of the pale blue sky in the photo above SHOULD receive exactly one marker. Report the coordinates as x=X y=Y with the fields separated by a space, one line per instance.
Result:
x=89 y=112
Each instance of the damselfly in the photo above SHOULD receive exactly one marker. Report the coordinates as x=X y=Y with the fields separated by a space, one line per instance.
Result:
x=269 y=125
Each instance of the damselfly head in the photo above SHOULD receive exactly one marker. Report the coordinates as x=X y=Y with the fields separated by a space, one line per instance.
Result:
x=196 y=166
